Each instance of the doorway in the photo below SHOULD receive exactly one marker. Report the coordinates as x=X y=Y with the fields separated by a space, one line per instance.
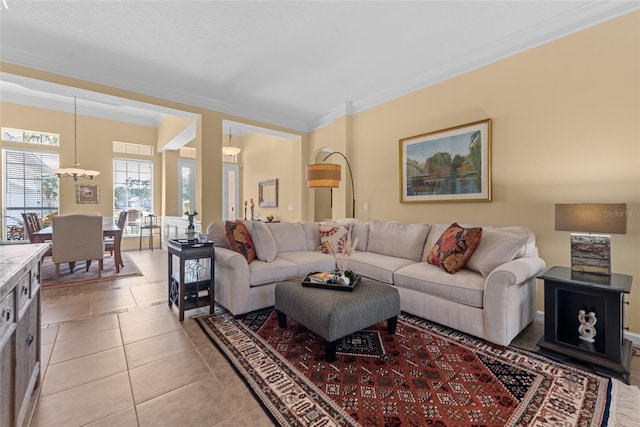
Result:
x=230 y=191
x=187 y=177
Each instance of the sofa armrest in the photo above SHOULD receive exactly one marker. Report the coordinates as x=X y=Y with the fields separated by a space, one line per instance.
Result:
x=230 y=258
x=515 y=271
x=510 y=298
x=231 y=279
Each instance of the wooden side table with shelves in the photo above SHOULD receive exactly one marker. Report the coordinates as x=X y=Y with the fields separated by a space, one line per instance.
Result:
x=583 y=315
x=193 y=285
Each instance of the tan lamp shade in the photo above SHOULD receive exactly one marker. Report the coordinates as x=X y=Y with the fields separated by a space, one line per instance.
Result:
x=609 y=218
x=323 y=175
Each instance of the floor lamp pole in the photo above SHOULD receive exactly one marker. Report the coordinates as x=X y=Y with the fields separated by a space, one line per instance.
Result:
x=353 y=192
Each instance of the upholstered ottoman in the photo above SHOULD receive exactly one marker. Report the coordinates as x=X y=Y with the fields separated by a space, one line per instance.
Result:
x=335 y=314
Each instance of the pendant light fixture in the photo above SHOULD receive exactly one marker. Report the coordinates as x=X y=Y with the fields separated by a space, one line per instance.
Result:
x=229 y=150
x=75 y=171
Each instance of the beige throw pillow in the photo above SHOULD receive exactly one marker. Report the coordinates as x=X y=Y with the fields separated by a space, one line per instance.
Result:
x=218 y=234
x=264 y=243
x=495 y=248
x=395 y=239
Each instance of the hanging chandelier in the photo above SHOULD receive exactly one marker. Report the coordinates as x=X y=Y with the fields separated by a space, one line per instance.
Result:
x=75 y=171
x=229 y=150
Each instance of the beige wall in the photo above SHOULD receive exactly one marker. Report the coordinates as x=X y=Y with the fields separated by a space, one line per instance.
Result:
x=334 y=138
x=170 y=186
x=208 y=130
x=566 y=128
x=95 y=151
x=168 y=129
x=267 y=157
x=94 y=146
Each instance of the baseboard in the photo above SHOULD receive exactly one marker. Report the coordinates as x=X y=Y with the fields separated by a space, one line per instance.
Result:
x=631 y=336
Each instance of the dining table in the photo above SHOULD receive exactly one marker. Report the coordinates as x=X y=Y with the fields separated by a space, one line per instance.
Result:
x=108 y=230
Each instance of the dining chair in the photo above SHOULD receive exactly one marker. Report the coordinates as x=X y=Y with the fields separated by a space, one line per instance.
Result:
x=77 y=237
x=32 y=224
x=109 y=242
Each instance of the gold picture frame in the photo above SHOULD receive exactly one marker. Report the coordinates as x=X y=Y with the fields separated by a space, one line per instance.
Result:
x=87 y=194
x=449 y=165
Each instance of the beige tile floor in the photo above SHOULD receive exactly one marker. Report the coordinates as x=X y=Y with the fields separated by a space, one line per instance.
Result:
x=113 y=354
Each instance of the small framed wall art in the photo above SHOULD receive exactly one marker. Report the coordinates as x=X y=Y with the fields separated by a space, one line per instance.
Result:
x=87 y=194
x=449 y=165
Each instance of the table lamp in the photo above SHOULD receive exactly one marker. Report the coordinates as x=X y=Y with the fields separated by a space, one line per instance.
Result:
x=591 y=253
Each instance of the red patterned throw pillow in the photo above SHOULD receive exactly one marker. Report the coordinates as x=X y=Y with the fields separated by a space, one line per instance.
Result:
x=239 y=239
x=336 y=234
x=454 y=247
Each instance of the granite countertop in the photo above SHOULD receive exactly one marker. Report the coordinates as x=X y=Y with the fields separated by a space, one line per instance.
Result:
x=14 y=259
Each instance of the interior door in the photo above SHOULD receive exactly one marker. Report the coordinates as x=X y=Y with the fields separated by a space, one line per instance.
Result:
x=187 y=187
x=230 y=191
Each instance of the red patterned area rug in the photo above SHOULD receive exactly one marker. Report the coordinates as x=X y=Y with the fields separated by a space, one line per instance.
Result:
x=424 y=375
x=79 y=274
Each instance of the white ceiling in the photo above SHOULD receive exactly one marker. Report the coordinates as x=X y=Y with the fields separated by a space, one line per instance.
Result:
x=296 y=64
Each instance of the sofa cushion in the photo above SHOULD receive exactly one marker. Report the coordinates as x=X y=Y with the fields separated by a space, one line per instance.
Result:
x=264 y=273
x=376 y=266
x=312 y=232
x=309 y=262
x=217 y=234
x=359 y=230
x=465 y=287
x=396 y=239
x=454 y=247
x=529 y=248
x=435 y=231
x=496 y=247
x=264 y=243
x=239 y=239
x=335 y=236
x=289 y=236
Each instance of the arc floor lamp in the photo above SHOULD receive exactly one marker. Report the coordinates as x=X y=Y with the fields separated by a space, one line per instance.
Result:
x=327 y=175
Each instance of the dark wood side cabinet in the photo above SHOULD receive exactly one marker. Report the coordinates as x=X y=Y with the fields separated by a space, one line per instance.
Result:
x=192 y=286
x=601 y=345
x=19 y=329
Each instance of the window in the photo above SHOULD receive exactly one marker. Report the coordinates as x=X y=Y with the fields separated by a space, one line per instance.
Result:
x=29 y=186
x=132 y=192
x=187 y=177
x=129 y=148
x=30 y=137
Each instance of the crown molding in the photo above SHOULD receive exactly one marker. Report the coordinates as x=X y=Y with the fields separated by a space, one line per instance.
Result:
x=587 y=16
x=23 y=90
x=101 y=77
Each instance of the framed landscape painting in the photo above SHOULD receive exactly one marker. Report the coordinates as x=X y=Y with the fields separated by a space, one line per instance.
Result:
x=450 y=165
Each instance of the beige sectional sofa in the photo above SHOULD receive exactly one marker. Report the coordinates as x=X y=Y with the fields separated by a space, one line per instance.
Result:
x=493 y=297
